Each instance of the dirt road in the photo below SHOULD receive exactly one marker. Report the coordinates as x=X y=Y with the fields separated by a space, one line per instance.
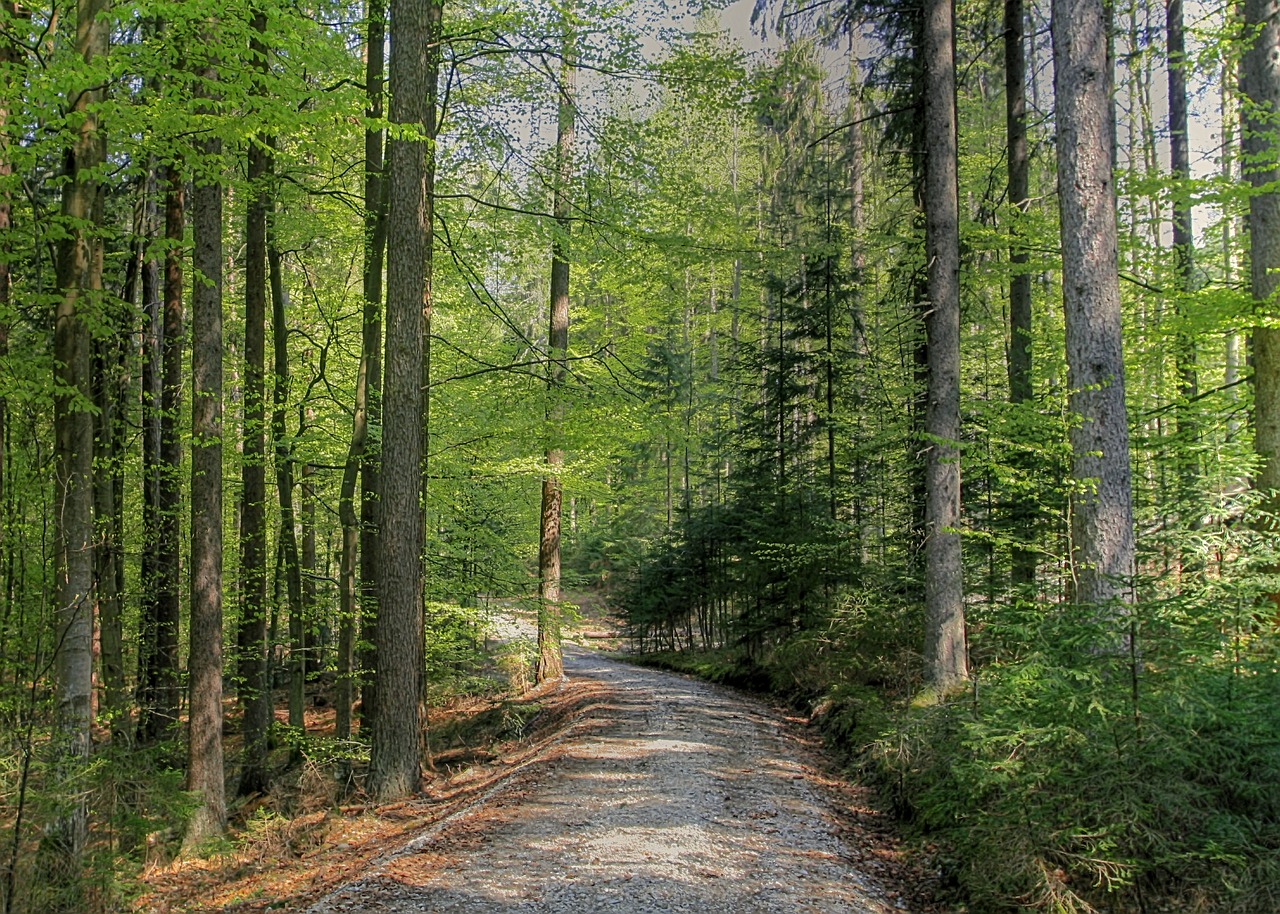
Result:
x=669 y=796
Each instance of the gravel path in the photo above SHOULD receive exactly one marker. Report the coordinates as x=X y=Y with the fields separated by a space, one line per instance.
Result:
x=671 y=796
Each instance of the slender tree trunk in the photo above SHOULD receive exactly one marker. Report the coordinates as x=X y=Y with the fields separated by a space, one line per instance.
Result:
x=109 y=380
x=158 y=658
x=1102 y=548
x=550 y=660
x=284 y=488
x=1020 y=338
x=79 y=273
x=151 y=383
x=255 y=692
x=358 y=453
x=204 y=668
x=8 y=55
x=395 y=756
x=375 y=227
x=1231 y=343
x=946 y=662
x=1183 y=240
x=307 y=572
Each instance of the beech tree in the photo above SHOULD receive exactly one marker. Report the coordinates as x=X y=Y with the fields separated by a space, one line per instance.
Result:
x=550 y=663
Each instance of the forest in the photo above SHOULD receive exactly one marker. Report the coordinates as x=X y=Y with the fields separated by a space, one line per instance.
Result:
x=915 y=364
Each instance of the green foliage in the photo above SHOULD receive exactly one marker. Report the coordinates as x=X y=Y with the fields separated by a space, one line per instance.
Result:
x=1050 y=790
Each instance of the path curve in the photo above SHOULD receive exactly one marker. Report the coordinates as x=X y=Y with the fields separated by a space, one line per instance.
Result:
x=671 y=796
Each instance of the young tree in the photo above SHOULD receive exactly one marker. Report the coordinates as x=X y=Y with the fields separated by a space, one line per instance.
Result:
x=1102 y=547
x=397 y=723
x=946 y=663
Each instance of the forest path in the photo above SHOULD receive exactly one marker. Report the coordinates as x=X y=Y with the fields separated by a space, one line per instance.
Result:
x=667 y=795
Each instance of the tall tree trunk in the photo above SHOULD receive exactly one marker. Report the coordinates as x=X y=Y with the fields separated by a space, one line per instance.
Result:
x=1020 y=339
x=254 y=691
x=1231 y=343
x=550 y=660
x=1183 y=239
x=110 y=388
x=1102 y=547
x=397 y=724
x=1260 y=161
x=204 y=668
x=79 y=272
x=152 y=375
x=158 y=650
x=284 y=488
x=376 y=189
x=307 y=571
x=358 y=453
x=8 y=55
x=946 y=662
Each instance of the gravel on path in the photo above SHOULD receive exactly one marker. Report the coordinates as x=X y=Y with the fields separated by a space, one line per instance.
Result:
x=671 y=796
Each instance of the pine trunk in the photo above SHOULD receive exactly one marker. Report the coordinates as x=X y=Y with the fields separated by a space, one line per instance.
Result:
x=1020 y=366
x=1102 y=547
x=946 y=662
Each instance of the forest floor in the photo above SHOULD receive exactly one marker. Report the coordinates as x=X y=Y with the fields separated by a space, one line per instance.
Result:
x=618 y=789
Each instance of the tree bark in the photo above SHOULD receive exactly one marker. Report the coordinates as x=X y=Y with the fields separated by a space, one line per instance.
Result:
x=1183 y=239
x=1102 y=548
x=376 y=190
x=946 y=662
x=1260 y=161
x=358 y=453
x=394 y=763
x=79 y=274
x=255 y=691
x=1023 y=573
x=284 y=488
x=109 y=376
x=158 y=650
x=550 y=659
x=204 y=668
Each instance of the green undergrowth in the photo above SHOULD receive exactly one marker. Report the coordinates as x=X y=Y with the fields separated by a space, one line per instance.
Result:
x=1063 y=780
